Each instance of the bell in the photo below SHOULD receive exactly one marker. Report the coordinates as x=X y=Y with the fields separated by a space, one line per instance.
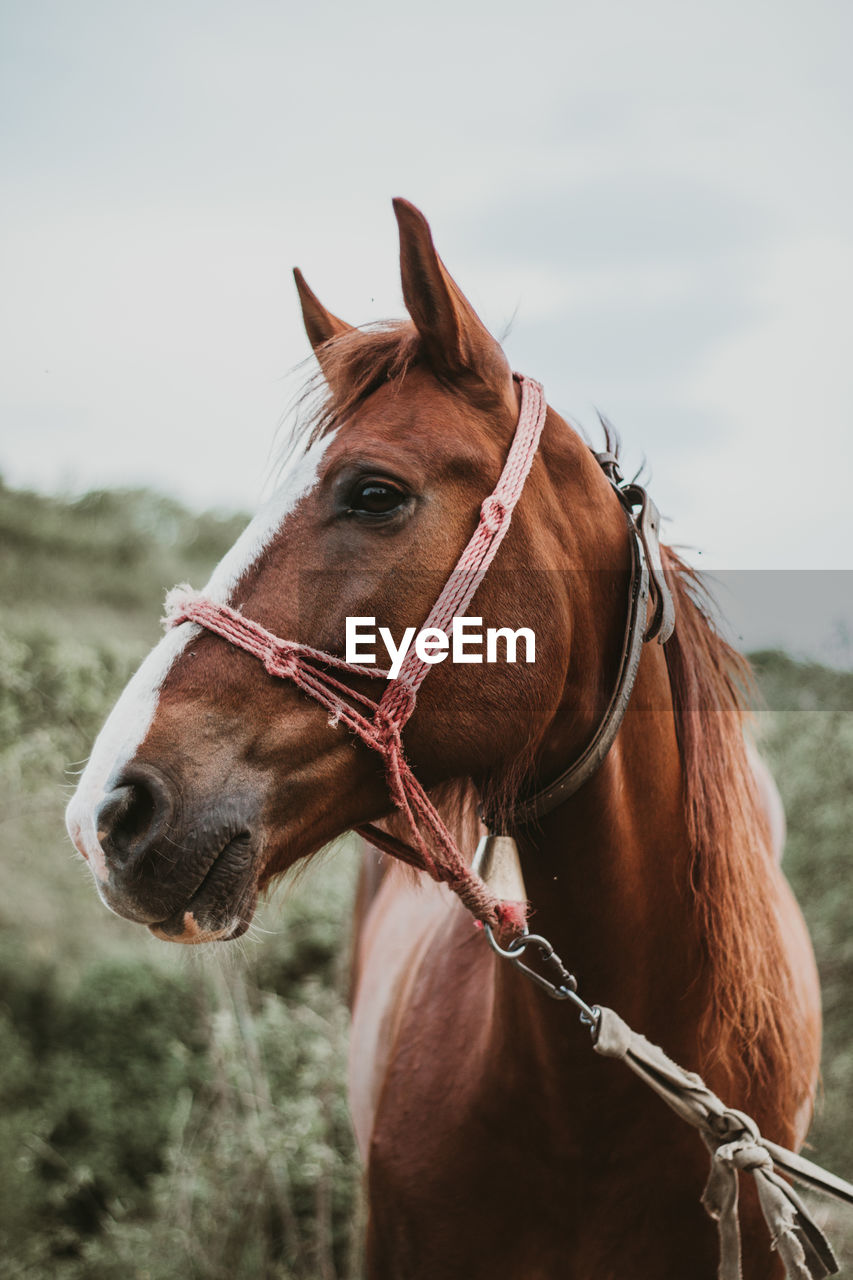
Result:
x=497 y=863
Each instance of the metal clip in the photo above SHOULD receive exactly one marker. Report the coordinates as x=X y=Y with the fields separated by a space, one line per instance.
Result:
x=566 y=986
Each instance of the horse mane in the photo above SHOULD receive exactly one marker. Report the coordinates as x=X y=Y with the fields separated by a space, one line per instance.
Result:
x=712 y=686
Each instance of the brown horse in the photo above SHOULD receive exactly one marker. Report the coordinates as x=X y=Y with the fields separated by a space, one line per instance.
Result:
x=496 y=1143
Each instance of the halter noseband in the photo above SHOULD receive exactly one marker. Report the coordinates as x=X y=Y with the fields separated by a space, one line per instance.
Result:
x=380 y=724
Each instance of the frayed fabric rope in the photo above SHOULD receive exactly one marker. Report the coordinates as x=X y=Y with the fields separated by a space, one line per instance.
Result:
x=736 y=1145
x=380 y=724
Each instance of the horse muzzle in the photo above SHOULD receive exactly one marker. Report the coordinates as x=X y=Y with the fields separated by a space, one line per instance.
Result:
x=189 y=873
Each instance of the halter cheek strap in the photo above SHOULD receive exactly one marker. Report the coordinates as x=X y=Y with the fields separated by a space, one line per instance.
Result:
x=379 y=724
x=651 y=615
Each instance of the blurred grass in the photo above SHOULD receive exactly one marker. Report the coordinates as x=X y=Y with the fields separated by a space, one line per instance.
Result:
x=162 y=1112
x=806 y=735
x=167 y=1113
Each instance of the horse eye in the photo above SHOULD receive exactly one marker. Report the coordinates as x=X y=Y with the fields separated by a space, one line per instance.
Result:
x=376 y=498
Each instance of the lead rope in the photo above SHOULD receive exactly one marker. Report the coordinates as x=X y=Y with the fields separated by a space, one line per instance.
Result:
x=733 y=1138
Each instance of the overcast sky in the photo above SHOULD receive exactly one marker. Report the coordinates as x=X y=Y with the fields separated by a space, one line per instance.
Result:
x=657 y=196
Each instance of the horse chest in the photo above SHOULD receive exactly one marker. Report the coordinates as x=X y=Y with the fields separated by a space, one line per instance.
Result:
x=449 y=1197
x=610 y=1182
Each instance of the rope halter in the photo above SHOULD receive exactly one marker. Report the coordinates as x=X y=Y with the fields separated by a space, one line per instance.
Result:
x=380 y=724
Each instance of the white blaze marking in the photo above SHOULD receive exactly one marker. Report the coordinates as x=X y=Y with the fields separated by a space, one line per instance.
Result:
x=131 y=717
x=118 y=742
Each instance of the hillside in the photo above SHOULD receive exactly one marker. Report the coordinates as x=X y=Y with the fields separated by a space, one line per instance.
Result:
x=157 y=1100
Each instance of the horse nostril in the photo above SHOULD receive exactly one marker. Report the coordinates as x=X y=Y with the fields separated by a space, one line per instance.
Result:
x=133 y=814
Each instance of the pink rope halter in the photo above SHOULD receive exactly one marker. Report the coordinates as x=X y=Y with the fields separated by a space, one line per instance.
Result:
x=380 y=724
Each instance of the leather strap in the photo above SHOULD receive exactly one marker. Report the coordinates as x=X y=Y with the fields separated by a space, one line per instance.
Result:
x=573 y=778
x=647 y=526
x=648 y=582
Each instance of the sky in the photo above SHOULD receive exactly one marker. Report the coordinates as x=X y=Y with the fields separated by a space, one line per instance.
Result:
x=655 y=201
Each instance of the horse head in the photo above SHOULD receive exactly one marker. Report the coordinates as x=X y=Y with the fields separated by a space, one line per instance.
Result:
x=210 y=777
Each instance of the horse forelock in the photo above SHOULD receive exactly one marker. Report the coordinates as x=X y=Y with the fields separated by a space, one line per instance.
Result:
x=355 y=364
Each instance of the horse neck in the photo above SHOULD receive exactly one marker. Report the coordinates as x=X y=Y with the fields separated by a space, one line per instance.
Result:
x=608 y=872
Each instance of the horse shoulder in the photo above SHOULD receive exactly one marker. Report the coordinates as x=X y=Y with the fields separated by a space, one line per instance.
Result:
x=393 y=938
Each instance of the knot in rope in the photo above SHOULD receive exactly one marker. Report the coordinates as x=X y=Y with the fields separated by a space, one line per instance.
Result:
x=177 y=604
x=280 y=659
x=398 y=702
x=493 y=514
x=386 y=733
x=386 y=740
x=745 y=1154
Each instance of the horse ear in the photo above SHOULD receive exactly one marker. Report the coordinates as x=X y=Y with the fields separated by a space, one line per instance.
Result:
x=320 y=325
x=456 y=343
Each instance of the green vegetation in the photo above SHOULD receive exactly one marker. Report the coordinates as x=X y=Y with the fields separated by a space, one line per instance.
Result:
x=167 y=1114
x=807 y=738
x=162 y=1113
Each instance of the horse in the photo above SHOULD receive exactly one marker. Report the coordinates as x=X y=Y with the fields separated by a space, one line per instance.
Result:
x=494 y=1142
